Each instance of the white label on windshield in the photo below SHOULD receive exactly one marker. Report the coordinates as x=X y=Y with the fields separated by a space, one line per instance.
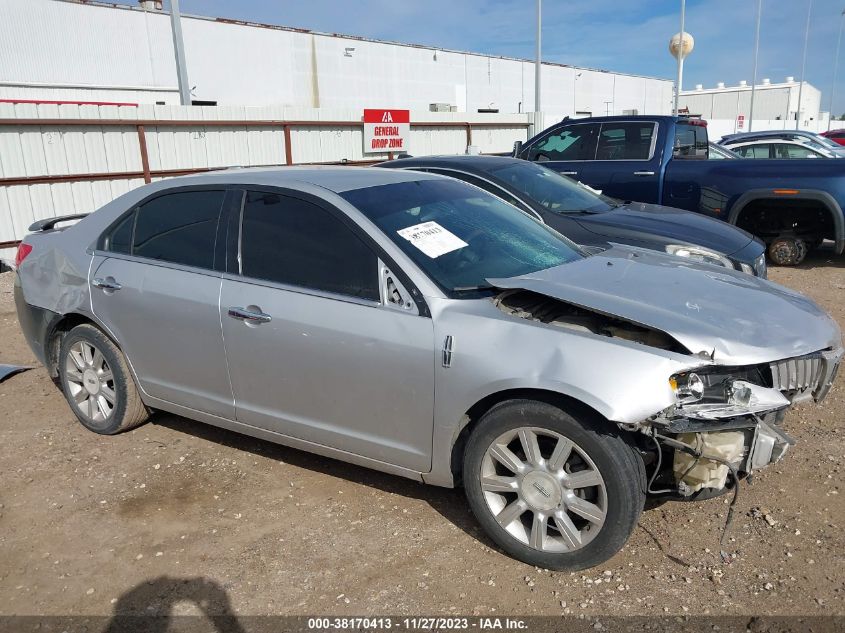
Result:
x=432 y=239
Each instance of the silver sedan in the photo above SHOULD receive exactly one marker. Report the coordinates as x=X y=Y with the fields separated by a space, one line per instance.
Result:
x=417 y=325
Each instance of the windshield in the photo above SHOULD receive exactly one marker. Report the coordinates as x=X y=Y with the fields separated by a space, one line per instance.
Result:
x=459 y=235
x=548 y=188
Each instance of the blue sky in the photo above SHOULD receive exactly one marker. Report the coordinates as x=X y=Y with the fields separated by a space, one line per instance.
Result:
x=623 y=35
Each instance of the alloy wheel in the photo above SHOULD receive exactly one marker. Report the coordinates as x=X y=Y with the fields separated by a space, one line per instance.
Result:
x=90 y=381
x=543 y=489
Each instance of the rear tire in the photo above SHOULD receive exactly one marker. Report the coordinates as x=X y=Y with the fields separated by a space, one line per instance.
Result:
x=787 y=251
x=551 y=489
x=97 y=383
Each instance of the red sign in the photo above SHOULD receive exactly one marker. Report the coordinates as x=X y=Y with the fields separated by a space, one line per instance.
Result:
x=387 y=130
x=740 y=122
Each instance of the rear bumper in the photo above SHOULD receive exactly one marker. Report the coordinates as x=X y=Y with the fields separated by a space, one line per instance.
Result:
x=34 y=322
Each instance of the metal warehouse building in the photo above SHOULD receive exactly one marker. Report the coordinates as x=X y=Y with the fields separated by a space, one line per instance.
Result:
x=772 y=102
x=87 y=51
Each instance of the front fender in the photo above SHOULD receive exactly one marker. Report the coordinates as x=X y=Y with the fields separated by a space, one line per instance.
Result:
x=624 y=381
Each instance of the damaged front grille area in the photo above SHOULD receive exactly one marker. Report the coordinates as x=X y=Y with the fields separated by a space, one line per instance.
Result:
x=797 y=374
x=537 y=307
x=807 y=376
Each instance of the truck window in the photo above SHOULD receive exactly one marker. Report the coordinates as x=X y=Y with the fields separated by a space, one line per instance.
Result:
x=625 y=141
x=690 y=141
x=572 y=142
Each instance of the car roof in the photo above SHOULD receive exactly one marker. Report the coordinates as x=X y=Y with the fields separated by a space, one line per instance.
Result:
x=738 y=136
x=338 y=179
x=767 y=141
x=477 y=163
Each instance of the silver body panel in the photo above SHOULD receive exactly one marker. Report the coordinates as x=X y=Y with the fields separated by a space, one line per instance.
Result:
x=367 y=384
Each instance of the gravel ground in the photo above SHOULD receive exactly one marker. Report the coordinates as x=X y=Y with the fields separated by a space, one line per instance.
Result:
x=177 y=512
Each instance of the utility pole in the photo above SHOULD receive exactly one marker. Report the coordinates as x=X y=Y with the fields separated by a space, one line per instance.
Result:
x=835 y=69
x=179 y=50
x=803 y=67
x=756 y=54
x=538 y=62
x=680 y=61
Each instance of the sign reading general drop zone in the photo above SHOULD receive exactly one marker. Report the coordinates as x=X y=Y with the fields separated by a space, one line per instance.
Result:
x=386 y=130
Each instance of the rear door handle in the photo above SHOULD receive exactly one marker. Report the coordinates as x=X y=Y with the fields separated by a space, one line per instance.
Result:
x=106 y=284
x=568 y=173
x=252 y=316
x=644 y=173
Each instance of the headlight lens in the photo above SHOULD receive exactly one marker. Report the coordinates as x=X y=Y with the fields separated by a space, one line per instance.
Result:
x=699 y=254
x=760 y=265
x=688 y=388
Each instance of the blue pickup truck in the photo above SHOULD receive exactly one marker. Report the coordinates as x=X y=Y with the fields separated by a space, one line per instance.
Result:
x=793 y=205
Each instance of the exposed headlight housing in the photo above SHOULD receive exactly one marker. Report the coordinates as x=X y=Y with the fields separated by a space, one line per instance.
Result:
x=699 y=254
x=758 y=268
x=721 y=392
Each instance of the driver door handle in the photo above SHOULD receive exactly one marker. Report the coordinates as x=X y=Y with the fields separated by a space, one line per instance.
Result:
x=242 y=314
x=568 y=173
x=106 y=284
x=644 y=173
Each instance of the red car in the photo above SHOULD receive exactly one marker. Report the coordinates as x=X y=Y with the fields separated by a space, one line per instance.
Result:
x=837 y=136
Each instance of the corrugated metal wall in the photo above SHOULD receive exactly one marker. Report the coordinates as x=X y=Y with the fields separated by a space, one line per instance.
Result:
x=55 y=150
x=246 y=64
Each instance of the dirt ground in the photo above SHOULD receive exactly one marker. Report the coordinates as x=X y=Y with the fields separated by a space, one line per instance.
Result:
x=176 y=512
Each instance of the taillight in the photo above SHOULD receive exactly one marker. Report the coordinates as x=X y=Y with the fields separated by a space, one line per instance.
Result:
x=23 y=251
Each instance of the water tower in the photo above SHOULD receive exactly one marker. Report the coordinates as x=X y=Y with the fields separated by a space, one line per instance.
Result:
x=680 y=45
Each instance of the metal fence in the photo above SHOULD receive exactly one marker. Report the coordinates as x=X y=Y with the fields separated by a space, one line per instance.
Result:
x=57 y=159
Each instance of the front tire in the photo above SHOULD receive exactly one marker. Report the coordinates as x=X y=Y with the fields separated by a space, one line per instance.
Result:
x=97 y=383
x=551 y=489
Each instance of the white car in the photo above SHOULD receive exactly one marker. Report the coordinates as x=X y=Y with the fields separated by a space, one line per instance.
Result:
x=779 y=148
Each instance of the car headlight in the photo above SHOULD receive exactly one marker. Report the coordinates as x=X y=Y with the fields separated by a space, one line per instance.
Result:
x=688 y=388
x=699 y=254
x=760 y=265
x=758 y=268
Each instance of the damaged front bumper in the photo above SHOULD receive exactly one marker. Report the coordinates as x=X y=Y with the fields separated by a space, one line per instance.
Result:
x=711 y=437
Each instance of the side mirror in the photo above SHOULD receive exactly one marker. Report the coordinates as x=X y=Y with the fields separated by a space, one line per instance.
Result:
x=517 y=149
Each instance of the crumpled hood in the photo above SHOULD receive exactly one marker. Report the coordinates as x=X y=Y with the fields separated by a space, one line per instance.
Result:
x=741 y=319
x=675 y=225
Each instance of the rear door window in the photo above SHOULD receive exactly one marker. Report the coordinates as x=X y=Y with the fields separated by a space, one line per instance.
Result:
x=625 y=141
x=573 y=142
x=785 y=150
x=180 y=228
x=754 y=151
x=295 y=242
x=690 y=141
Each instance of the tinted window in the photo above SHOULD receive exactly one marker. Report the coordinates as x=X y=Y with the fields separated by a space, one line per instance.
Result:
x=461 y=236
x=179 y=228
x=546 y=187
x=625 y=141
x=483 y=184
x=294 y=242
x=690 y=141
x=574 y=142
x=120 y=239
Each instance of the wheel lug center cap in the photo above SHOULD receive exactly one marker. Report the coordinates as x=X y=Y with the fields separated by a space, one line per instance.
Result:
x=540 y=490
x=91 y=381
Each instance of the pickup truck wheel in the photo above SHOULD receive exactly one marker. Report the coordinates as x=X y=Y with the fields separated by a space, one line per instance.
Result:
x=550 y=489
x=97 y=383
x=787 y=251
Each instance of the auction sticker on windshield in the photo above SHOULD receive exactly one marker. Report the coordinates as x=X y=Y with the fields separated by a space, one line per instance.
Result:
x=432 y=239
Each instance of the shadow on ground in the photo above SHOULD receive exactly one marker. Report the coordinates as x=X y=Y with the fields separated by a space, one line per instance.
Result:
x=450 y=503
